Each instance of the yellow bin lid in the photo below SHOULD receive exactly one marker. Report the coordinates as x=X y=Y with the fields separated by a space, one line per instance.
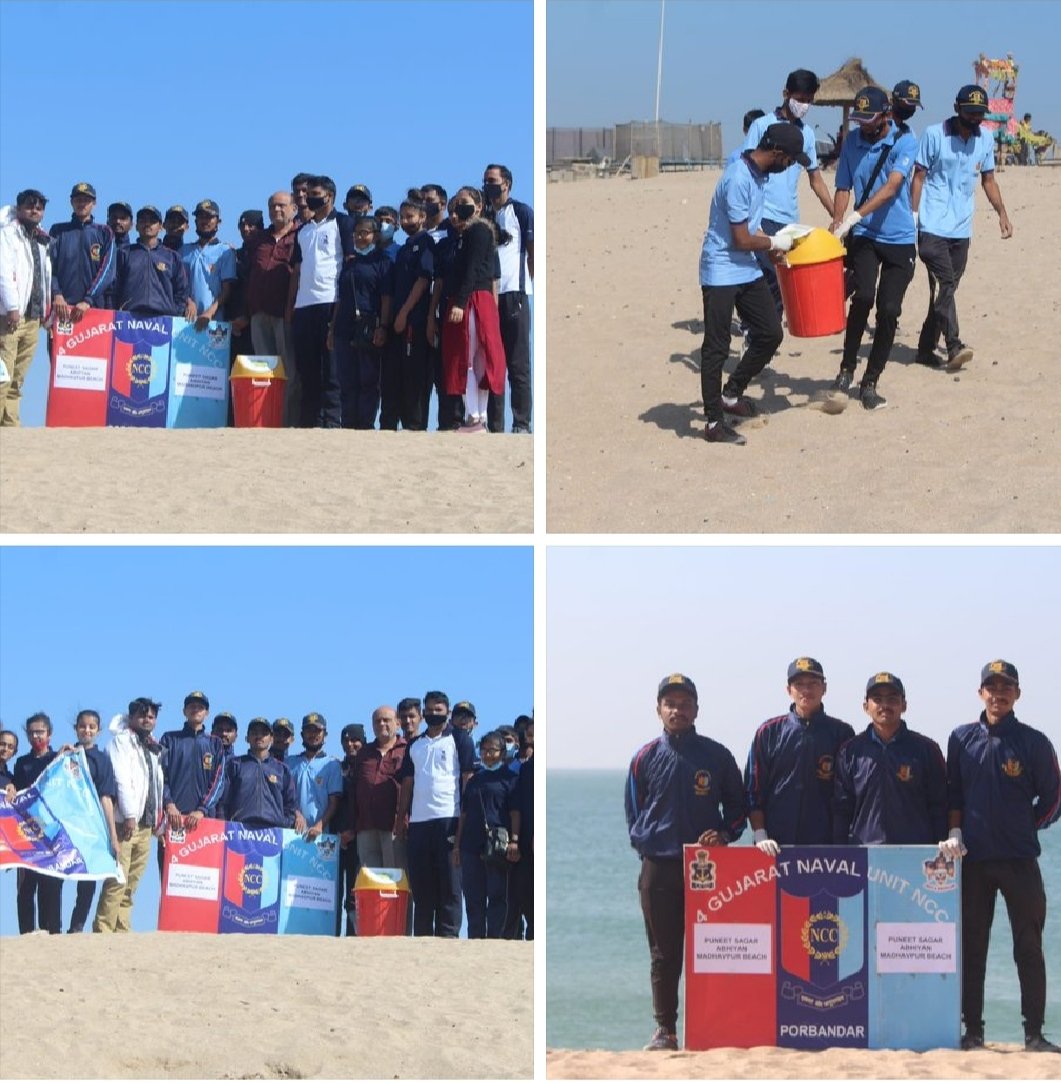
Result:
x=391 y=880
x=819 y=246
x=258 y=367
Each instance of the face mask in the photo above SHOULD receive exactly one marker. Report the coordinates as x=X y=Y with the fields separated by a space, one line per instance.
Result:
x=492 y=767
x=386 y=231
x=206 y=235
x=901 y=111
x=464 y=211
x=432 y=209
x=492 y=191
x=40 y=743
x=798 y=109
x=315 y=203
x=364 y=251
x=510 y=750
x=973 y=125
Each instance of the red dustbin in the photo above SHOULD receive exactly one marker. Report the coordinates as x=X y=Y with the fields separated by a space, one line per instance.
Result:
x=812 y=285
x=382 y=902
x=258 y=391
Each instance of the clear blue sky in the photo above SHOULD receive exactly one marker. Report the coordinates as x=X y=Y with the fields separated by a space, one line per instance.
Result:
x=388 y=94
x=732 y=619
x=721 y=59
x=262 y=631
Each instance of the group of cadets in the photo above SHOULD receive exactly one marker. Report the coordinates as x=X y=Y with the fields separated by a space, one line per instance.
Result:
x=361 y=321
x=421 y=801
x=898 y=198
x=811 y=780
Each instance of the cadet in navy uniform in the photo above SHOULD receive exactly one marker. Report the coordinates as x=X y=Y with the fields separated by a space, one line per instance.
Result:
x=789 y=776
x=33 y=885
x=891 y=782
x=259 y=790
x=120 y=221
x=225 y=728
x=151 y=278
x=682 y=788
x=82 y=254
x=1003 y=789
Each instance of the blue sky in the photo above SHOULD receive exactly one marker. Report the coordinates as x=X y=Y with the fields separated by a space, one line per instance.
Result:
x=721 y=59
x=439 y=90
x=732 y=619
x=263 y=631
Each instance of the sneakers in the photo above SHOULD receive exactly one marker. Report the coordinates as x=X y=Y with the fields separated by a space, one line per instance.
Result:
x=741 y=406
x=973 y=1040
x=930 y=361
x=723 y=434
x=662 y=1040
x=1039 y=1044
x=842 y=381
x=959 y=358
x=870 y=399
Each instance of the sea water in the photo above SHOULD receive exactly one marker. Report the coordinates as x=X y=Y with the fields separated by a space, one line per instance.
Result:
x=597 y=986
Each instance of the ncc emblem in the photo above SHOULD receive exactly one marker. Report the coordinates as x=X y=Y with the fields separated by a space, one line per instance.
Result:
x=825 y=767
x=702 y=783
x=1013 y=768
x=702 y=873
x=251 y=879
x=824 y=935
x=139 y=369
x=208 y=761
x=939 y=874
x=905 y=774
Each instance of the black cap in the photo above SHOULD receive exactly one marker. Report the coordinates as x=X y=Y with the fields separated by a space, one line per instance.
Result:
x=225 y=719
x=314 y=718
x=285 y=724
x=787 y=138
x=359 y=190
x=178 y=210
x=82 y=188
x=196 y=695
x=905 y=91
x=884 y=678
x=258 y=720
x=869 y=101
x=805 y=665
x=126 y=207
x=255 y=218
x=972 y=98
x=353 y=732
x=1000 y=668
x=677 y=681
x=464 y=707
x=207 y=207
x=149 y=209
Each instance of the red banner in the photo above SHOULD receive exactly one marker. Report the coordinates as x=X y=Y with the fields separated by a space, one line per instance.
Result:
x=191 y=878
x=80 y=377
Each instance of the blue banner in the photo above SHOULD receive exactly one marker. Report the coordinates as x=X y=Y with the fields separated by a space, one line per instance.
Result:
x=250 y=883
x=198 y=375
x=139 y=370
x=309 y=889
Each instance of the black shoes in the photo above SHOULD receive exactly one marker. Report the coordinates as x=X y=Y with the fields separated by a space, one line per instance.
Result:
x=973 y=1040
x=742 y=408
x=723 y=434
x=662 y=1040
x=870 y=399
x=1039 y=1044
x=960 y=356
x=842 y=381
x=931 y=361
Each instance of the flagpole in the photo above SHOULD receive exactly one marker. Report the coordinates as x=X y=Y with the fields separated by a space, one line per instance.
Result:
x=659 y=72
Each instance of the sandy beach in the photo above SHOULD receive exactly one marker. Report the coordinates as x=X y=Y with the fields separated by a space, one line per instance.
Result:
x=972 y=452
x=310 y=481
x=1001 y=1061
x=194 y=1006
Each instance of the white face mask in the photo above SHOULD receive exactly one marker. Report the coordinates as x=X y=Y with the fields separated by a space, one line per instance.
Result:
x=798 y=109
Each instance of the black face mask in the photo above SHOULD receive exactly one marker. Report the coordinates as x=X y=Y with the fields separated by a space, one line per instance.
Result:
x=206 y=235
x=903 y=112
x=492 y=191
x=432 y=209
x=972 y=126
x=464 y=211
x=315 y=203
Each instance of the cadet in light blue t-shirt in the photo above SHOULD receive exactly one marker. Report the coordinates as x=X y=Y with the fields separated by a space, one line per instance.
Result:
x=730 y=277
x=874 y=168
x=210 y=264
x=949 y=158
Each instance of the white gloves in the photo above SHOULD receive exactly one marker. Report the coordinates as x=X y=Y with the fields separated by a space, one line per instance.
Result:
x=852 y=219
x=780 y=243
x=952 y=846
x=765 y=844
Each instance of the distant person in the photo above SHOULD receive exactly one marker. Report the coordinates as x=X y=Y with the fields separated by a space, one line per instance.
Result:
x=790 y=772
x=749 y=118
x=373 y=788
x=463 y=716
x=410 y=717
x=516 y=254
x=387 y=219
x=151 y=278
x=875 y=164
x=891 y=782
x=38 y=897
x=732 y=278
x=439 y=228
x=210 y=265
x=174 y=225
x=120 y=220
x=259 y=790
x=949 y=158
x=358 y=201
x=352 y=740
x=780 y=196
x=521 y=876
x=299 y=190
x=83 y=258
x=225 y=728
x=1004 y=788
x=1030 y=141
x=136 y=759
x=8 y=749
x=682 y=788
x=318 y=777
x=250 y=224
x=25 y=296
x=283 y=737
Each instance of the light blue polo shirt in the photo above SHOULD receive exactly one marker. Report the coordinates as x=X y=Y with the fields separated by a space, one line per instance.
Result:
x=780 y=199
x=738 y=198
x=207 y=268
x=954 y=166
x=316 y=781
x=892 y=224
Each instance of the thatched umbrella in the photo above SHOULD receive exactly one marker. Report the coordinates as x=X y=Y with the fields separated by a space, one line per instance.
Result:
x=841 y=87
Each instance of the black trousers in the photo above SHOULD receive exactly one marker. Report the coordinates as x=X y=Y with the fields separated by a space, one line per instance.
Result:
x=1021 y=885
x=406 y=383
x=519 y=922
x=865 y=260
x=349 y=866
x=756 y=308
x=945 y=258
x=86 y=892
x=316 y=368
x=47 y=892
x=770 y=227
x=513 y=310
x=358 y=366
x=433 y=878
x=661 y=886
x=450 y=407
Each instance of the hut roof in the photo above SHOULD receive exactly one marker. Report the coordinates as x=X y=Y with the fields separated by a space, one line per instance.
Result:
x=841 y=87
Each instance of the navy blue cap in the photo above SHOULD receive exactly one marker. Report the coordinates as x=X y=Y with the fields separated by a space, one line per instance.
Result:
x=884 y=678
x=677 y=681
x=972 y=98
x=906 y=91
x=1000 y=668
x=869 y=101
x=805 y=665
x=787 y=138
